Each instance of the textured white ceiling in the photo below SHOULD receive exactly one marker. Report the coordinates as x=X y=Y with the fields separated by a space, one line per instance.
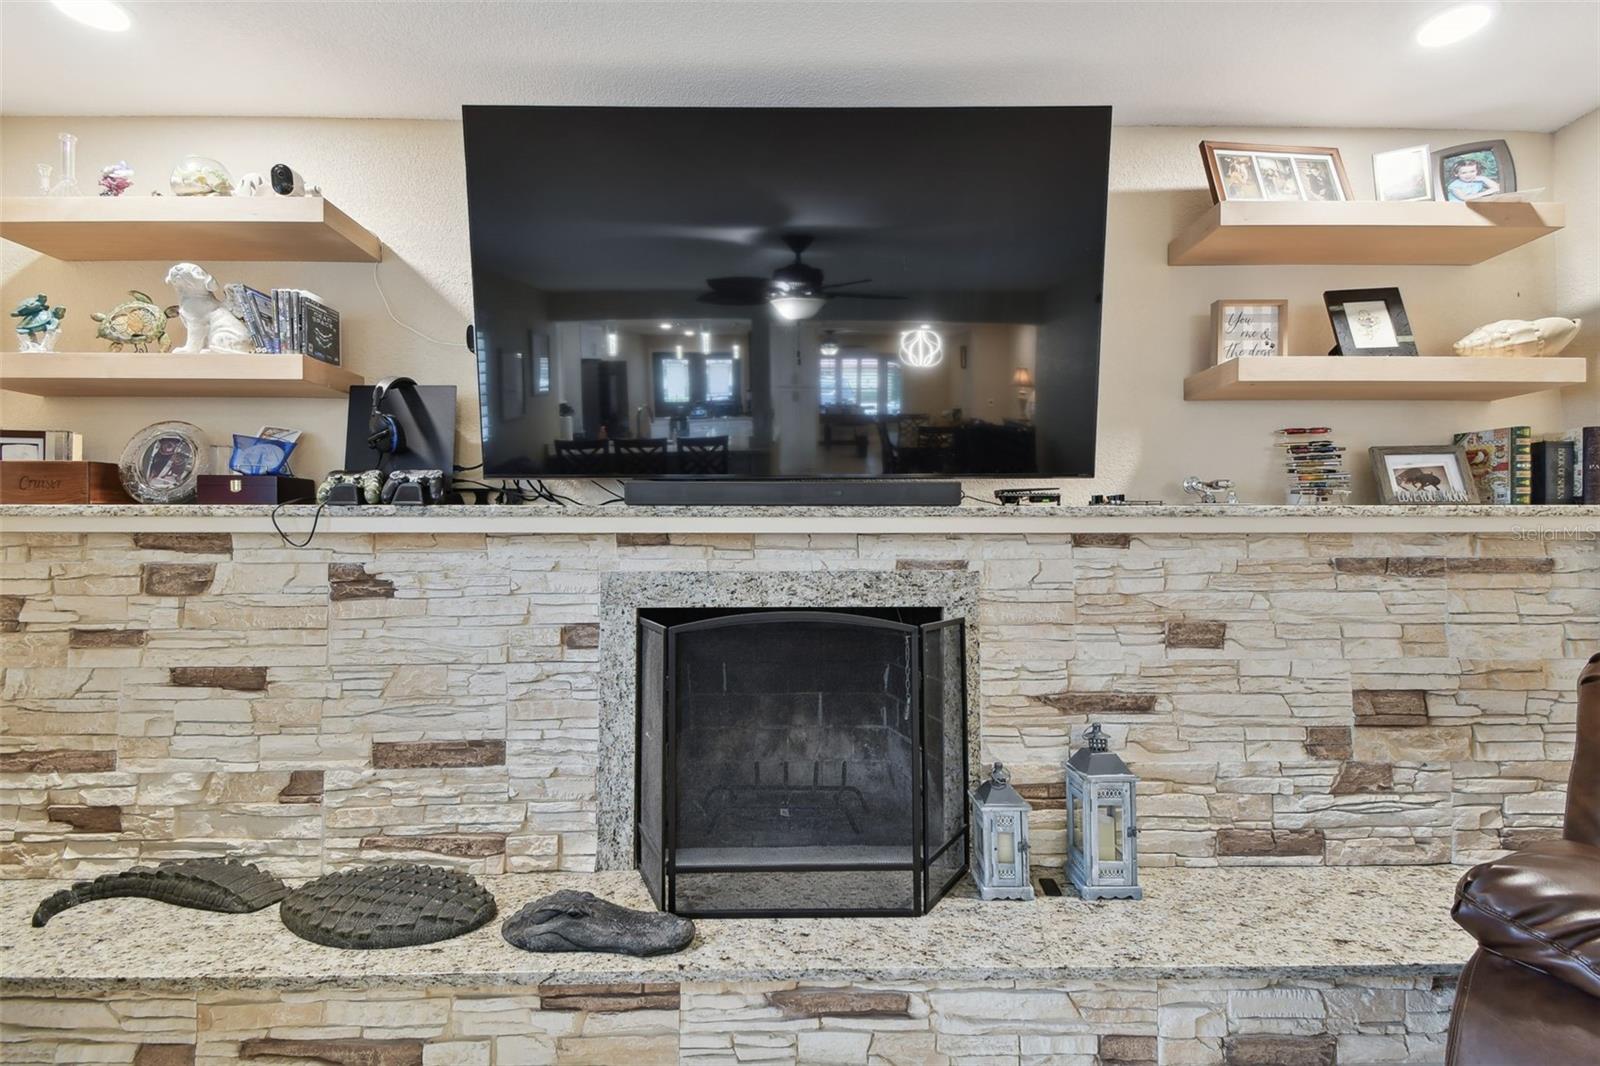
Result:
x=1537 y=67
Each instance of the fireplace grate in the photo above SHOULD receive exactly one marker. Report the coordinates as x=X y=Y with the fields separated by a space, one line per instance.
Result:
x=801 y=761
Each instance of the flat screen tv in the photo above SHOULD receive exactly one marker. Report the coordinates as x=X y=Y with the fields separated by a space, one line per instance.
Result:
x=749 y=293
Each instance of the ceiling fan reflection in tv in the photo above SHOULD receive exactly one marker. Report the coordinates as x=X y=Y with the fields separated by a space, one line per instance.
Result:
x=795 y=290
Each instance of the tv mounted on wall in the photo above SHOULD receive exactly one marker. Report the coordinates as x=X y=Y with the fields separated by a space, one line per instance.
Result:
x=787 y=293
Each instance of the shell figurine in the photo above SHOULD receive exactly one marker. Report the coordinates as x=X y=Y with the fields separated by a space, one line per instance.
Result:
x=1512 y=337
x=139 y=323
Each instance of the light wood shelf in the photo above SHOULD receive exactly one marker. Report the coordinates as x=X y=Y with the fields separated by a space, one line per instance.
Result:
x=1428 y=377
x=1426 y=233
x=247 y=228
x=153 y=374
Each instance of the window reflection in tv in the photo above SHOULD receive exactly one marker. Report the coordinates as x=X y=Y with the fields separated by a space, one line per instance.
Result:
x=752 y=293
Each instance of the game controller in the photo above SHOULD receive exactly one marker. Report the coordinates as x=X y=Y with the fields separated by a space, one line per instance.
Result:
x=429 y=487
x=368 y=487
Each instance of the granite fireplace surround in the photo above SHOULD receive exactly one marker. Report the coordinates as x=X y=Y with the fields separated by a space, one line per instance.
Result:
x=1327 y=724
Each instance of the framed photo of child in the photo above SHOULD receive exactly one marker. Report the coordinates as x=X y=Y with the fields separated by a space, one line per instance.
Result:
x=1472 y=171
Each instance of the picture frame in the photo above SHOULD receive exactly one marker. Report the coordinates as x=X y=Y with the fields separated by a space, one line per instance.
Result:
x=1369 y=322
x=1274 y=172
x=1496 y=171
x=22 y=445
x=1431 y=475
x=1403 y=174
x=1250 y=329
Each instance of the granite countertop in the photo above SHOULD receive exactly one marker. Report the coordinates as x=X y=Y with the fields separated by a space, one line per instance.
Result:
x=973 y=518
x=1268 y=922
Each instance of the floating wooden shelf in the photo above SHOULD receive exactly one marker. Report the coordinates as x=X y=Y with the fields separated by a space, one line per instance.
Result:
x=1426 y=233
x=207 y=374
x=255 y=228
x=1428 y=377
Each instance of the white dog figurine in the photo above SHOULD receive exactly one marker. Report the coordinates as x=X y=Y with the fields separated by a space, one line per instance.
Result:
x=211 y=327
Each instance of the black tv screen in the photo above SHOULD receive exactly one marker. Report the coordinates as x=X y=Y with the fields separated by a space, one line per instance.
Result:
x=791 y=293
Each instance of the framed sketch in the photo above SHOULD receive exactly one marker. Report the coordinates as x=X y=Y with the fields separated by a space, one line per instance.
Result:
x=1248 y=329
x=22 y=444
x=1369 y=322
x=1403 y=174
x=1470 y=171
x=1257 y=172
x=1430 y=474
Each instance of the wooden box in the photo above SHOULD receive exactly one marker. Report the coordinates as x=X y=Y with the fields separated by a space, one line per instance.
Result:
x=61 y=481
x=256 y=488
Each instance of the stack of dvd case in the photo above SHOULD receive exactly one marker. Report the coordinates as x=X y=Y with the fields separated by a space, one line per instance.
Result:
x=1314 y=462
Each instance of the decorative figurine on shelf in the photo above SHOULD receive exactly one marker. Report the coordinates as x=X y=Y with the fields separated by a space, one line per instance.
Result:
x=139 y=323
x=38 y=324
x=251 y=184
x=1102 y=830
x=1211 y=491
x=1511 y=337
x=1000 y=822
x=210 y=325
x=197 y=175
x=116 y=178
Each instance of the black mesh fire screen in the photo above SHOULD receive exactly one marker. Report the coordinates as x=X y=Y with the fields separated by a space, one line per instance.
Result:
x=801 y=761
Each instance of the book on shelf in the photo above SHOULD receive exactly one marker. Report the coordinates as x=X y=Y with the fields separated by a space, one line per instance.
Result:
x=1502 y=463
x=306 y=324
x=1553 y=465
x=1586 y=463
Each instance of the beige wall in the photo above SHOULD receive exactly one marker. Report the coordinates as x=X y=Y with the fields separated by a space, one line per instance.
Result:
x=404 y=181
x=1577 y=181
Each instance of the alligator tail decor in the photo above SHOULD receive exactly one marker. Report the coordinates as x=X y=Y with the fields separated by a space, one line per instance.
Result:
x=389 y=906
x=224 y=885
x=581 y=921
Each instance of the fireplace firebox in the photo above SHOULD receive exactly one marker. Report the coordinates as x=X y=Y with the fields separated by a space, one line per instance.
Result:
x=801 y=762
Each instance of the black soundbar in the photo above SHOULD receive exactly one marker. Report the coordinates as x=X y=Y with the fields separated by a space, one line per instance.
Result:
x=841 y=493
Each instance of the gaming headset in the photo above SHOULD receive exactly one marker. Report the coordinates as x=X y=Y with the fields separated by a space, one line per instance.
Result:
x=384 y=434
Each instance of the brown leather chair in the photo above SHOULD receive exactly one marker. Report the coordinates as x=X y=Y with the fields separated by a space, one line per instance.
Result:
x=1531 y=993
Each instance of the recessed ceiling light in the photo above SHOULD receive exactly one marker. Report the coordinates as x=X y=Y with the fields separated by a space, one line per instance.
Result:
x=101 y=14
x=664 y=325
x=1454 y=24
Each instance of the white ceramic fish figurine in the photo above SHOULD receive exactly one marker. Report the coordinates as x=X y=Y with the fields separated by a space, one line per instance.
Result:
x=1518 y=337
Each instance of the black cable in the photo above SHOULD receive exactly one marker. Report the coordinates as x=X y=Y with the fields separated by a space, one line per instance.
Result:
x=614 y=497
x=458 y=469
x=980 y=499
x=315 y=518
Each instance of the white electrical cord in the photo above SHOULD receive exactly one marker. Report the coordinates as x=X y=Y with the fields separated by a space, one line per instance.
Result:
x=410 y=329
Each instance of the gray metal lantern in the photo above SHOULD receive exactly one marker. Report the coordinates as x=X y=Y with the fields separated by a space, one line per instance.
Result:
x=1102 y=829
x=1000 y=821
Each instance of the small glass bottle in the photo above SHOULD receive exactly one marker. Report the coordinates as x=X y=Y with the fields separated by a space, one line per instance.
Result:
x=68 y=185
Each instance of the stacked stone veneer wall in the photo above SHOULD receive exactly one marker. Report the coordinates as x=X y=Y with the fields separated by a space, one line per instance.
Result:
x=1228 y=1022
x=1330 y=698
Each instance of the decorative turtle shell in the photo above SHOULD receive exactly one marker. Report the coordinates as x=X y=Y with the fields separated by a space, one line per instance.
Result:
x=389 y=906
x=138 y=322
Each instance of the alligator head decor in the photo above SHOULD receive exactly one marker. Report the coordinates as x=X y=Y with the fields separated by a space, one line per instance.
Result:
x=582 y=921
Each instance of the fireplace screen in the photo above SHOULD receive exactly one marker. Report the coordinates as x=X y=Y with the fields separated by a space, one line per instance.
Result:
x=801 y=762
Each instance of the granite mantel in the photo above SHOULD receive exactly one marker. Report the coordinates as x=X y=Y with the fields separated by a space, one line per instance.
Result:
x=296 y=520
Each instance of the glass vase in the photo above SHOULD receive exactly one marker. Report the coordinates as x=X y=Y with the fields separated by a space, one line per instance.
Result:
x=68 y=185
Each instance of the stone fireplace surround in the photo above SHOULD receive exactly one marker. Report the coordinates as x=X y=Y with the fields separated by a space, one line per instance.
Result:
x=1331 y=708
x=622 y=596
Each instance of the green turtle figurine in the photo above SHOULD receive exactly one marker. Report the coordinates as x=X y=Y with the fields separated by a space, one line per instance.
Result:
x=38 y=324
x=139 y=322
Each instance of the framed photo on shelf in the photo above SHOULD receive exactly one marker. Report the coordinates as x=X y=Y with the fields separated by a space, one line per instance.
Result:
x=1470 y=171
x=1403 y=174
x=22 y=444
x=1369 y=322
x=1248 y=329
x=1259 y=172
x=1428 y=474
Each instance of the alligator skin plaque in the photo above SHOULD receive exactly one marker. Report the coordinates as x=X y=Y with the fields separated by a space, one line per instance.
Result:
x=391 y=906
x=204 y=884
